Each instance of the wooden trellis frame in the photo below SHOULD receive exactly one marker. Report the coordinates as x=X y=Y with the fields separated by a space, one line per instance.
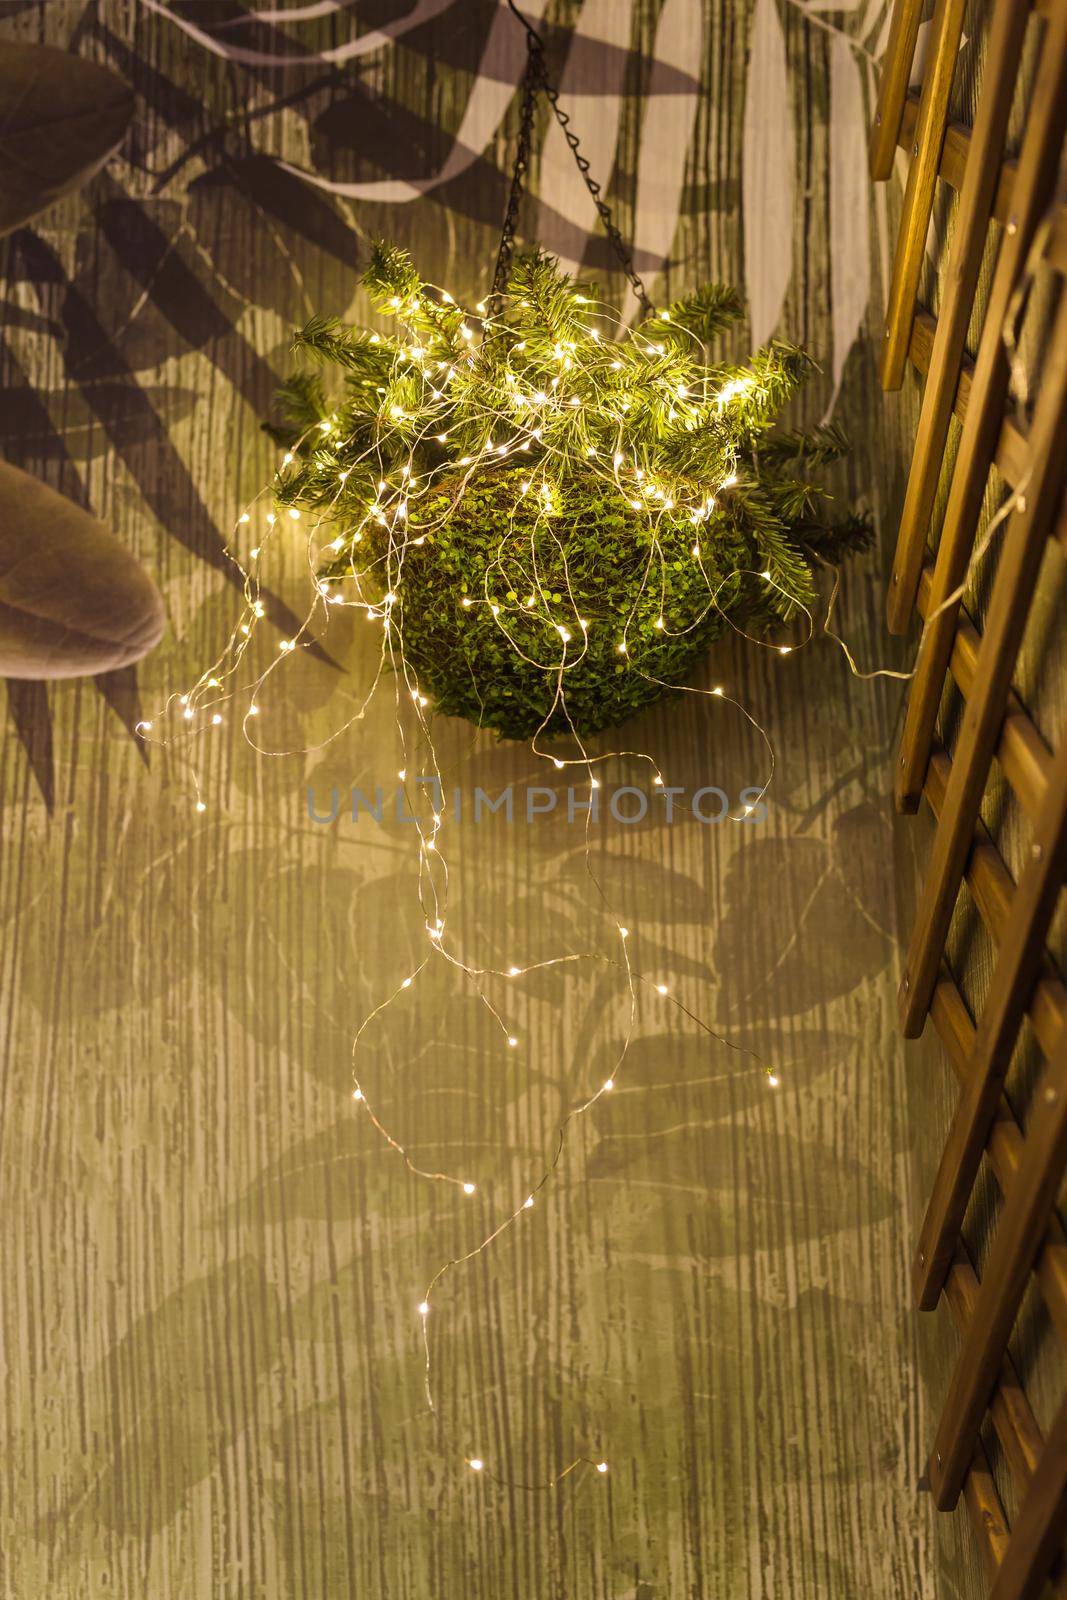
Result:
x=1017 y=199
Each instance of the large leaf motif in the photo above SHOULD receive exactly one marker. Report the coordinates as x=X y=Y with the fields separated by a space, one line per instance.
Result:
x=72 y=599
x=671 y=1080
x=768 y=165
x=850 y=244
x=60 y=119
x=84 y=435
x=596 y=113
x=667 y=128
x=791 y=933
x=348 y=1172
x=766 y=1188
x=303 y=255
x=634 y=887
x=168 y=1397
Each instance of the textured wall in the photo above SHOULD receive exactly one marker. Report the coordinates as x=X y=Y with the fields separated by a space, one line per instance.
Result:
x=211 y=1364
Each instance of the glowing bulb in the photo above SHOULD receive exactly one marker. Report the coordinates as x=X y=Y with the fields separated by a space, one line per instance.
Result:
x=468 y=1188
x=766 y=575
x=609 y=1083
x=357 y=1094
x=253 y=711
x=512 y=1041
x=661 y=988
x=659 y=623
x=624 y=933
x=528 y=1202
x=557 y=764
x=145 y=727
x=602 y=1466
x=287 y=644
x=657 y=781
x=188 y=715
x=785 y=649
x=406 y=983
x=216 y=719
x=773 y=1079
x=287 y=458
x=467 y=601
x=513 y=972
x=200 y=806
x=476 y=1465
x=622 y=647
x=564 y=635
x=717 y=690
x=594 y=783
x=424 y=1308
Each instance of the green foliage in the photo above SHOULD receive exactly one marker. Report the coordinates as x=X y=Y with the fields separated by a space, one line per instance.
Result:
x=509 y=475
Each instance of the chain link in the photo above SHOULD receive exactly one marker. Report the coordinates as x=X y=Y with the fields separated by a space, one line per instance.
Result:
x=535 y=78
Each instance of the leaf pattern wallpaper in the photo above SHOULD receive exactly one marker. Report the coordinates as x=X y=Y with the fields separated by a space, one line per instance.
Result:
x=212 y=1365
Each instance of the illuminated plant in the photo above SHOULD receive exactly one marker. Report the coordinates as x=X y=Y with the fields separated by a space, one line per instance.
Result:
x=553 y=516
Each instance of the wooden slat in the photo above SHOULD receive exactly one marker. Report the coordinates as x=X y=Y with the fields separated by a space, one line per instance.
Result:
x=955 y=153
x=1007 y=31
x=1017 y=967
x=1022 y=1225
x=994 y=893
x=986 y=1512
x=1024 y=756
x=1038 y=164
x=955 y=1029
x=893 y=85
x=1038 y=1530
x=1010 y=455
x=1011 y=1412
x=1024 y=541
x=945 y=32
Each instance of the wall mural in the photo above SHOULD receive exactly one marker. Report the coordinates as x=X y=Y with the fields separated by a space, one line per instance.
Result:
x=214 y=1367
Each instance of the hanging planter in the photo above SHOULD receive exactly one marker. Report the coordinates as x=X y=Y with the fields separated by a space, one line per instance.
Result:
x=552 y=523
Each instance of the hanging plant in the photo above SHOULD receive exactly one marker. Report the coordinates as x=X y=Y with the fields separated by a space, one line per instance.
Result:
x=554 y=523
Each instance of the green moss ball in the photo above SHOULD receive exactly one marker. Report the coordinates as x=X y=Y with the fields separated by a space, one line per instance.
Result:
x=593 y=559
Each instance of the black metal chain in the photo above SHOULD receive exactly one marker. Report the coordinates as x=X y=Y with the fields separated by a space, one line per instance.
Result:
x=536 y=78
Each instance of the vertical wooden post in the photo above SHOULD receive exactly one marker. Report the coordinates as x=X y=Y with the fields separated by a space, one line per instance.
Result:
x=893 y=86
x=946 y=30
x=981 y=175
x=1024 y=544
x=1020 y=1229
x=1034 y=180
x=1039 y=1528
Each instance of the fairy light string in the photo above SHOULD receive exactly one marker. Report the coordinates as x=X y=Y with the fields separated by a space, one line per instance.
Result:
x=564 y=408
